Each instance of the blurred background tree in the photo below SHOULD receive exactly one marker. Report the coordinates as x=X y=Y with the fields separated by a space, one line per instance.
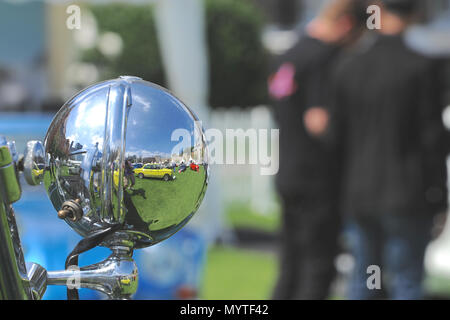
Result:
x=237 y=59
x=140 y=53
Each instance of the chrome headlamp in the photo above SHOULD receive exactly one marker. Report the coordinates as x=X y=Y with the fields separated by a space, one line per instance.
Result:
x=115 y=165
x=111 y=153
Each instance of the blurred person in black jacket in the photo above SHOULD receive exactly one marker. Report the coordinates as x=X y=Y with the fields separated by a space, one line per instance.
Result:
x=308 y=175
x=389 y=106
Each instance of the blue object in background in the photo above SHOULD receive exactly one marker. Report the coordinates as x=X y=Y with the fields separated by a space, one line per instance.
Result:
x=170 y=270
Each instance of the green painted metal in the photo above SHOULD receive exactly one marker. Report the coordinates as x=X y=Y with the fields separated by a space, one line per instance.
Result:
x=12 y=286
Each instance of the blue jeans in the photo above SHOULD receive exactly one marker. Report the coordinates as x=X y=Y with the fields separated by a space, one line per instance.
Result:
x=397 y=245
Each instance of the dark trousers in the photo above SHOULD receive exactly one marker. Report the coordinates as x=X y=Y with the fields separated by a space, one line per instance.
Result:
x=131 y=180
x=394 y=243
x=308 y=246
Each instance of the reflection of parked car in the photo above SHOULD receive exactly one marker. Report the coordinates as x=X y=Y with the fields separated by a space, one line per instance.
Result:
x=38 y=170
x=137 y=166
x=154 y=171
x=194 y=167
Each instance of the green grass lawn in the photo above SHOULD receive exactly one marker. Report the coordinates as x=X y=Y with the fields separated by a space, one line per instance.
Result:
x=239 y=215
x=175 y=198
x=160 y=204
x=233 y=273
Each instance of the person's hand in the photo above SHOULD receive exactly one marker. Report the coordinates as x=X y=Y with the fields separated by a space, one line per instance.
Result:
x=316 y=121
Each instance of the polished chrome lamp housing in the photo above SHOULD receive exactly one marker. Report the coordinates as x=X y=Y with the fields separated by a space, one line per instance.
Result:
x=108 y=164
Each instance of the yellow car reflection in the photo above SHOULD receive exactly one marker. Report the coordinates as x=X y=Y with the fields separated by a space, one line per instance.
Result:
x=38 y=170
x=116 y=178
x=154 y=171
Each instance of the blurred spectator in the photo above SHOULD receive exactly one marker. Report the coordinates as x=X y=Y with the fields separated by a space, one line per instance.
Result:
x=308 y=173
x=389 y=114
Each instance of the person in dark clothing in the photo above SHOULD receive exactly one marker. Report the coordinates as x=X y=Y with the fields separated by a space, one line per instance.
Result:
x=388 y=111
x=129 y=175
x=307 y=179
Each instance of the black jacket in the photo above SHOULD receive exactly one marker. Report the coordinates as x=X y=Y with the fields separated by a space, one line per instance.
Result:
x=306 y=163
x=388 y=116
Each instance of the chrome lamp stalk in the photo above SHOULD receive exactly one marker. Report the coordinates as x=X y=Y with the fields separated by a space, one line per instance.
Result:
x=116 y=276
